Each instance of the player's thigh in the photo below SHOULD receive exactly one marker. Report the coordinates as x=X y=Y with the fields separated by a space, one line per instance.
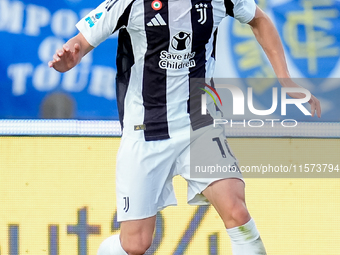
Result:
x=211 y=156
x=208 y=148
x=228 y=198
x=225 y=193
x=143 y=178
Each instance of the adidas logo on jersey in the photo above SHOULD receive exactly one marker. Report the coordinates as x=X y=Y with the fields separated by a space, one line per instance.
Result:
x=156 y=21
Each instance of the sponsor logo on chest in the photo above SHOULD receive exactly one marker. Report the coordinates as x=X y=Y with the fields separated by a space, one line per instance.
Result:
x=180 y=43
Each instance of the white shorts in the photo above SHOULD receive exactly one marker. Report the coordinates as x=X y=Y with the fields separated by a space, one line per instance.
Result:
x=145 y=170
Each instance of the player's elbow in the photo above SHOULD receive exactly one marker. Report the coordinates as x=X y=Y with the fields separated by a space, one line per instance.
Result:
x=259 y=17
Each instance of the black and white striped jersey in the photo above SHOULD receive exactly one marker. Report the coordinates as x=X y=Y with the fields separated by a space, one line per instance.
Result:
x=162 y=46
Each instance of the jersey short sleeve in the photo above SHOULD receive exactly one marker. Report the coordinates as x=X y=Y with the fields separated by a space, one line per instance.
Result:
x=100 y=23
x=242 y=10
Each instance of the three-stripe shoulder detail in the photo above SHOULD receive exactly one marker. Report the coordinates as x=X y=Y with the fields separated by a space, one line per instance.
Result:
x=229 y=6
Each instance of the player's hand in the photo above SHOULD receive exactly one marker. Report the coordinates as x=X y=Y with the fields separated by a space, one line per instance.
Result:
x=314 y=102
x=315 y=106
x=66 y=58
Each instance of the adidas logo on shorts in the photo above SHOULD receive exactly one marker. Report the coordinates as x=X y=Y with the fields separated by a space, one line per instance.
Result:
x=156 y=21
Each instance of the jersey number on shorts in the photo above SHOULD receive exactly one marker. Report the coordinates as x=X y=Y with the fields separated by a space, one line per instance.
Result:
x=218 y=141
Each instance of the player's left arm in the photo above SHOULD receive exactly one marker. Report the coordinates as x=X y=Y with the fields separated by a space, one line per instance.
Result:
x=269 y=39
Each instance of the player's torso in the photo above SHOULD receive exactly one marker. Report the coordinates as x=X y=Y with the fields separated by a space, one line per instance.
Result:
x=180 y=28
x=171 y=42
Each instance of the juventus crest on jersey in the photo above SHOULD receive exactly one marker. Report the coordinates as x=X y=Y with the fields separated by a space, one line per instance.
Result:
x=163 y=46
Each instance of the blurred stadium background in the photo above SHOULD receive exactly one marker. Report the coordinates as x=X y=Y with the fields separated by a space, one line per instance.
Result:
x=57 y=150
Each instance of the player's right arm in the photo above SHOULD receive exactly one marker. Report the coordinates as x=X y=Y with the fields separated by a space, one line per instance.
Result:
x=269 y=39
x=70 y=54
x=94 y=28
x=246 y=11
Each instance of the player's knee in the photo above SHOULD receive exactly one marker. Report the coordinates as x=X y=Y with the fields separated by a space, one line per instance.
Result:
x=235 y=213
x=239 y=213
x=136 y=245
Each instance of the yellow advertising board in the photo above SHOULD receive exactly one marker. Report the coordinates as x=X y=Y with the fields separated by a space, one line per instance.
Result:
x=57 y=197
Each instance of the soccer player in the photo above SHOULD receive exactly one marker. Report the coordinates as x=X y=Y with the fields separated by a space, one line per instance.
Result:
x=163 y=45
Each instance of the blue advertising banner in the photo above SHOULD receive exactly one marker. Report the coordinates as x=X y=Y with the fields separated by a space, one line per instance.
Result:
x=30 y=32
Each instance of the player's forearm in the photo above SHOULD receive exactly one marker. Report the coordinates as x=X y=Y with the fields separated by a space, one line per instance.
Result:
x=71 y=54
x=269 y=39
x=80 y=47
x=84 y=46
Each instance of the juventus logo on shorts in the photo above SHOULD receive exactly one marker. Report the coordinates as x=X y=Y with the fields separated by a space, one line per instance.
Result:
x=202 y=9
x=127 y=204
